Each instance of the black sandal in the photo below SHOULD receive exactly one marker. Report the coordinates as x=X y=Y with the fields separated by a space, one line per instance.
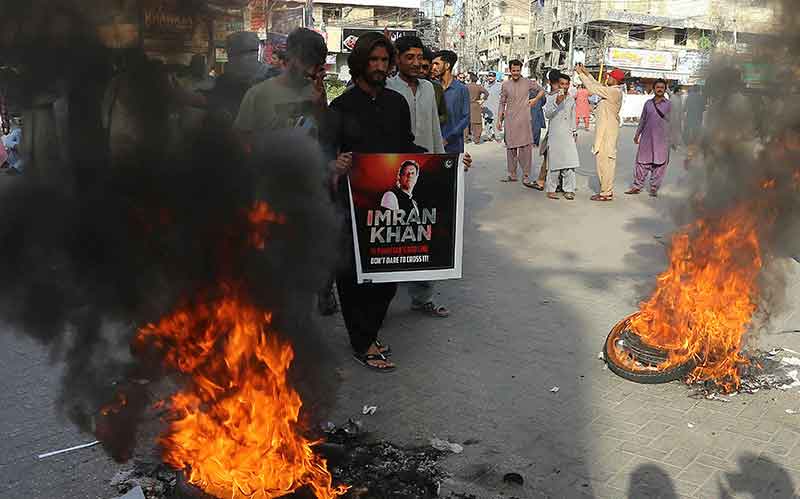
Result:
x=385 y=350
x=364 y=360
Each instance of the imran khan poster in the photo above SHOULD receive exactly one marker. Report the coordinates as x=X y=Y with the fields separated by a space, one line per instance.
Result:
x=407 y=213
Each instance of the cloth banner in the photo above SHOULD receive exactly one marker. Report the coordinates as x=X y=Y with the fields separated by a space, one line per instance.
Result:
x=407 y=213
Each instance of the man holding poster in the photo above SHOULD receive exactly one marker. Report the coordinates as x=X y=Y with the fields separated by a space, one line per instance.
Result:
x=412 y=231
x=367 y=118
x=421 y=98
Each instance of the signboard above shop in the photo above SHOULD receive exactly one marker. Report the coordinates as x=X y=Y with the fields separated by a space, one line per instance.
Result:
x=640 y=59
x=350 y=35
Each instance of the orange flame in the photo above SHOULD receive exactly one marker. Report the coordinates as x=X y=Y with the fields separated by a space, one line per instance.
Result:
x=705 y=300
x=260 y=216
x=236 y=431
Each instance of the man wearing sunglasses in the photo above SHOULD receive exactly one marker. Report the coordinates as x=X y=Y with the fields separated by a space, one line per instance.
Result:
x=294 y=99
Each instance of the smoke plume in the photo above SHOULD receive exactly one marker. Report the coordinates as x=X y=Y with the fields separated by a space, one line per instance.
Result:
x=115 y=222
x=749 y=148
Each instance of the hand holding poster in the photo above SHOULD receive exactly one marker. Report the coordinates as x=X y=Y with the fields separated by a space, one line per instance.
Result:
x=407 y=216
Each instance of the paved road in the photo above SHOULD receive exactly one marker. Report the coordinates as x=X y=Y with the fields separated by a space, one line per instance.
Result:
x=544 y=281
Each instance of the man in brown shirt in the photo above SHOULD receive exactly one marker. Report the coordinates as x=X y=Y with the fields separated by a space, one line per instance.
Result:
x=477 y=94
x=515 y=108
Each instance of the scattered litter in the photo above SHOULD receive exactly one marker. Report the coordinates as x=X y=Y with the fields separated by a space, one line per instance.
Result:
x=369 y=410
x=545 y=302
x=444 y=445
x=351 y=429
x=62 y=451
x=690 y=425
x=134 y=493
x=795 y=380
x=555 y=389
x=717 y=397
x=791 y=411
x=470 y=441
x=601 y=356
x=792 y=361
x=514 y=478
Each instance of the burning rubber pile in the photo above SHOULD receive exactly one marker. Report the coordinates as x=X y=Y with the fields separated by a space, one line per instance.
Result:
x=724 y=279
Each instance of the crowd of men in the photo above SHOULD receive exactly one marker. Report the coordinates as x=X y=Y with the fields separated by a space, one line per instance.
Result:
x=404 y=98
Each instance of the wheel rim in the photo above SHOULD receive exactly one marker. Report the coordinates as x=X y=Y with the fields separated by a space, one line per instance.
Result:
x=625 y=350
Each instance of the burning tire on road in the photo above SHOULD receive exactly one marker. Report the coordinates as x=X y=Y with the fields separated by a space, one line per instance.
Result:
x=629 y=357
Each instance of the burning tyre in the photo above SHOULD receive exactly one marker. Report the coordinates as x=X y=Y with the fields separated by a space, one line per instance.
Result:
x=631 y=358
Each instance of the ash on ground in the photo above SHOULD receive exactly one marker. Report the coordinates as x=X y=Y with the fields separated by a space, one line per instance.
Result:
x=373 y=470
x=777 y=369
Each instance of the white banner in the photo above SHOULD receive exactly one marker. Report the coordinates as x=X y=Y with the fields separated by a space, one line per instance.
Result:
x=637 y=58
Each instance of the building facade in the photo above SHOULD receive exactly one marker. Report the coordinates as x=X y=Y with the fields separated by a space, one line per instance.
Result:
x=670 y=39
x=495 y=32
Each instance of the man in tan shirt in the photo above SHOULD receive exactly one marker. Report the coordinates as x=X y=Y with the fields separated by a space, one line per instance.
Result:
x=607 y=130
x=477 y=95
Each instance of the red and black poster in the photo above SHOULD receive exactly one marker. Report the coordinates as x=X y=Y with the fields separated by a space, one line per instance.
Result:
x=407 y=215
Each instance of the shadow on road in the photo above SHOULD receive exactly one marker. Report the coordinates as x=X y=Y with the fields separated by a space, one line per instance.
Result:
x=757 y=477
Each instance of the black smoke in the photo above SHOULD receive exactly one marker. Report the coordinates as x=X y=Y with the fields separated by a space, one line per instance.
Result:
x=117 y=220
x=748 y=149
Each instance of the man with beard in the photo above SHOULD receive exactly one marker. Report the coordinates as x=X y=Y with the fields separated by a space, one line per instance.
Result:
x=295 y=98
x=652 y=137
x=367 y=118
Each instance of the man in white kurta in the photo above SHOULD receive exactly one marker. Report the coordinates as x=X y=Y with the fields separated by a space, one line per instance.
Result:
x=562 y=154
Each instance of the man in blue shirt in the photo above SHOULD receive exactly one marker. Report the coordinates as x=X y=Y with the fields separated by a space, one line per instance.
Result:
x=456 y=97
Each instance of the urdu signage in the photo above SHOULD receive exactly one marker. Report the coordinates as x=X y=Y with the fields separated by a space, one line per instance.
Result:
x=642 y=59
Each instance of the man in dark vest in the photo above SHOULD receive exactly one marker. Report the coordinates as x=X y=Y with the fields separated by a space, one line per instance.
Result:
x=401 y=197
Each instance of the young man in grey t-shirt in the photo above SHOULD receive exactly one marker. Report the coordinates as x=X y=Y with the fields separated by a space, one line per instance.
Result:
x=295 y=98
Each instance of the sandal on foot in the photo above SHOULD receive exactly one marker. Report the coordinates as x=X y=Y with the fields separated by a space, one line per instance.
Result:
x=532 y=185
x=569 y=196
x=653 y=194
x=600 y=197
x=552 y=195
x=385 y=350
x=633 y=190
x=431 y=309
x=508 y=179
x=365 y=359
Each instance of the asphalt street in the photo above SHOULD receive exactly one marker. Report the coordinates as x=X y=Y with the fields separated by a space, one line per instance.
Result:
x=543 y=283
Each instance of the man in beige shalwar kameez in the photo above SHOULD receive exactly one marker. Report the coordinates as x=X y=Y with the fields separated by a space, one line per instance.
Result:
x=607 y=130
x=515 y=114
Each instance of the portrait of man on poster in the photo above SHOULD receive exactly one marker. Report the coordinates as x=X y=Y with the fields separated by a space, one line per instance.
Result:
x=401 y=196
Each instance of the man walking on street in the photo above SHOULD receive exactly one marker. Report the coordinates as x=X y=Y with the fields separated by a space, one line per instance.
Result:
x=607 y=128
x=457 y=98
x=653 y=138
x=477 y=94
x=515 y=108
x=492 y=103
x=562 y=156
x=367 y=118
x=421 y=99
